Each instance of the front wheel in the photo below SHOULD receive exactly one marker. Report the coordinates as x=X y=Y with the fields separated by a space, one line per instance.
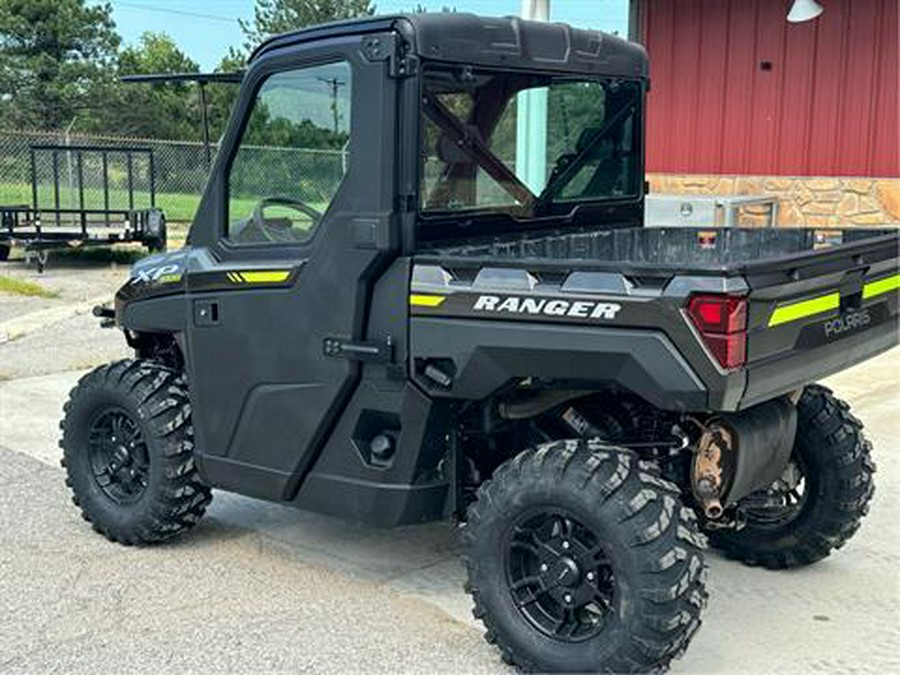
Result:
x=819 y=501
x=128 y=452
x=580 y=558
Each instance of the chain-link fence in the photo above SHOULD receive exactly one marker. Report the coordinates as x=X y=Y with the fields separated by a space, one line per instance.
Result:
x=180 y=170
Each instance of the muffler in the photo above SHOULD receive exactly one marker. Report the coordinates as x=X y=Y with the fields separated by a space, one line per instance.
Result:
x=740 y=453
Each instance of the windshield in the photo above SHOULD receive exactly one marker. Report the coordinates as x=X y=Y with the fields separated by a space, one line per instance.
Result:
x=526 y=144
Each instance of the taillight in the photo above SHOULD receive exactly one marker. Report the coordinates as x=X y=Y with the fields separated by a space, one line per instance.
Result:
x=722 y=323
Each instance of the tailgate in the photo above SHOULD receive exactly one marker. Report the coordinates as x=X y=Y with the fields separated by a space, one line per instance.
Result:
x=814 y=317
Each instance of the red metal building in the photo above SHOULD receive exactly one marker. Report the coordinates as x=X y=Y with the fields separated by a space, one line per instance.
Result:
x=736 y=89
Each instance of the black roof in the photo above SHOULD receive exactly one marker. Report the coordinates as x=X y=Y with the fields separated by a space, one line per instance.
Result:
x=488 y=41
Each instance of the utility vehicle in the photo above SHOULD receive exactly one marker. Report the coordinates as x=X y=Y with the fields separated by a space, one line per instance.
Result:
x=453 y=311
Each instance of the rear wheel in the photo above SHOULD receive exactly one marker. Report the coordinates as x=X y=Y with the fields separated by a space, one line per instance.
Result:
x=580 y=558
x=128 y=452
x=819 y=501
x=4 y=252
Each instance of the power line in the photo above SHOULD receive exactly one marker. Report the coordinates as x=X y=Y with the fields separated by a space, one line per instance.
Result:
x=180 y=12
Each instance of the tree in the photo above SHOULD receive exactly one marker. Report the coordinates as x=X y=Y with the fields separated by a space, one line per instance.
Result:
x=169 y=110
x=271 y=17
x=155 y=53
x=422 y=9
x=56 y=61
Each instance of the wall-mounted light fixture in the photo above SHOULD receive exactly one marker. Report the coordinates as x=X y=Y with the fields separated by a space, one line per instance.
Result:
x=804 y=10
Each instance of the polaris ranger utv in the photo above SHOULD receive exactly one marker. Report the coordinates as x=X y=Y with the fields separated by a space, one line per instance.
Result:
x=450 y=309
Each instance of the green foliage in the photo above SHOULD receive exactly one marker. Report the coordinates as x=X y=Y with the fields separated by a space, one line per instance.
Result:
x=155 y=110
x=575 y=112
x=296 y=116
x=60 y=61
x=280 y=132
x=419 y=8
x=123 y=254
x=57 y=60
x=271 y=17
x=155 y=53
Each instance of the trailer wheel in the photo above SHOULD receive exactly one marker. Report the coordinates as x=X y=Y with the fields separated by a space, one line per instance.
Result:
x=157 y=244
x=580 y=558
x=128 y=452
x=817 y=505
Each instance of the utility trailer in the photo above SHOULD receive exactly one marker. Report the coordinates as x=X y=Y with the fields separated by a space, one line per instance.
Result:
x=85 y=195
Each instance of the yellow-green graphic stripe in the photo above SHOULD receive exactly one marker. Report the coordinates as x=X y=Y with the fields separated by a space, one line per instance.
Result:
x=258 y=277
x=880 y=286
x=805 y=308
x=423 y=300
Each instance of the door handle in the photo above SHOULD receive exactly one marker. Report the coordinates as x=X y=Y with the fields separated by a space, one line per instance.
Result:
x=373 y=352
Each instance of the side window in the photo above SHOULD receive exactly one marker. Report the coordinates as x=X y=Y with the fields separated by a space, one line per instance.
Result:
x=292 y=156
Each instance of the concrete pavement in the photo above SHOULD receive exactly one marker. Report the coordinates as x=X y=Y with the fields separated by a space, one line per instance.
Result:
x=24 y=323
x=259 y=587
x=223 y=600
x=47 y=335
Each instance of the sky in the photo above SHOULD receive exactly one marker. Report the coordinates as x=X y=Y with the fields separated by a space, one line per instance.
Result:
x=205 y=29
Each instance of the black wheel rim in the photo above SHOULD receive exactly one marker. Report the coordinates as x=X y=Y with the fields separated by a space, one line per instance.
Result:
x=560 y=576
x=118 y=453
x=780 y=503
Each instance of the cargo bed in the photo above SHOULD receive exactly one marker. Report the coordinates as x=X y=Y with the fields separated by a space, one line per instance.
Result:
x=815 y=300
x=730 y=251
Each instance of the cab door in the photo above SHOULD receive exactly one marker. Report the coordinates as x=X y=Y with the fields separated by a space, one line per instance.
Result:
x=278 y=294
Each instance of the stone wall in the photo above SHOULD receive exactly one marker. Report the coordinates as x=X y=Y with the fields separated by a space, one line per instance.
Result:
x=809 y=201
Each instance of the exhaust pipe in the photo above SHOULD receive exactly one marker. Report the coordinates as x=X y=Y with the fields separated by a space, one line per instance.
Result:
x=740 y=453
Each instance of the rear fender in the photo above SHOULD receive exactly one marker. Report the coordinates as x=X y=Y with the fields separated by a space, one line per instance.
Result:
x=479 y=357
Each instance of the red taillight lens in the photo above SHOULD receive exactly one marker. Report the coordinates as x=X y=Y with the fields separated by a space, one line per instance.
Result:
x=730 y=350
x=718 y=313
x=722 y=323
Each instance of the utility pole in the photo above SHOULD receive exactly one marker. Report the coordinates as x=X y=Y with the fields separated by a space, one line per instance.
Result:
x=334 y=84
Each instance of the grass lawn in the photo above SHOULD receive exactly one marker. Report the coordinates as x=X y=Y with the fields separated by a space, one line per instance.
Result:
x=178 y=206
x=21 y=287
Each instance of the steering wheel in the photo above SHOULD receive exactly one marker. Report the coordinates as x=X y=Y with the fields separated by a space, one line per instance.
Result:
x=281 y=232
